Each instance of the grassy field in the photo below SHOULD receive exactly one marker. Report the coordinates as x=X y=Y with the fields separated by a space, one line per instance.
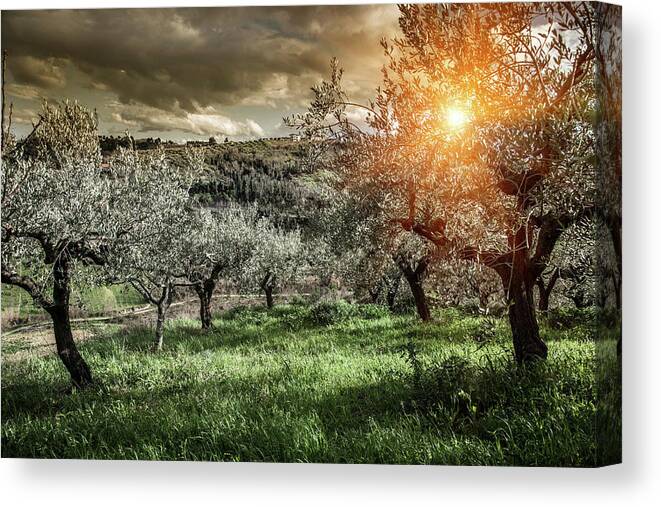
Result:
x=333 y=383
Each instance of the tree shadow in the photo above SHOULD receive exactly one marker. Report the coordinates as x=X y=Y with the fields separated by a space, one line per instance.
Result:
x=34 y=399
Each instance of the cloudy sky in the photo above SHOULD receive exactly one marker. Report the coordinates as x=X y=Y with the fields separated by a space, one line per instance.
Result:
x=190 y=73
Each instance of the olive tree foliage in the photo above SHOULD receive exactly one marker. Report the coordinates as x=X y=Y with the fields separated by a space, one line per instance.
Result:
x=374 y=254
x=582 y=267
x=500 y=186
x=278 y=259
x=341 y=241
x=62 y=214
x=220 y=244
x=154 y=256
x=460 y=283
x=571 y=268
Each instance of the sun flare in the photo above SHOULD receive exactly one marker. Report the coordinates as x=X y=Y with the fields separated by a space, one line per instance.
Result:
x=456 y=118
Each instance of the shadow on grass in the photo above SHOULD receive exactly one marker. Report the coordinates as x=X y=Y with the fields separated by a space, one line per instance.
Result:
x=33 y=399
x=266 y=417
x=280 y=414
x=255 y=406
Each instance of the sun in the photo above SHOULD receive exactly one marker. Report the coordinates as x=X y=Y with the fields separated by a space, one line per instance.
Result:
x=456 y=118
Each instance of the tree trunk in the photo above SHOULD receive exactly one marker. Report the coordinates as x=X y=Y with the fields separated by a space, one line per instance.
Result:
x=67 y=351
x=420 y=299
x=528 y=346
x=375 y=292
x=267 y=285
x=415 y=277
x=162 y=307
x=268 y=290
x=543 y=305
x=205 y=293
x=160 y=324
x=519 y=277
x=81 y=376
x=393 y=289
x=545 y=290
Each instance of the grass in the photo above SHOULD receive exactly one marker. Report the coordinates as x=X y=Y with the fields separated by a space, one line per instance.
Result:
x=335 y=384
x=18 y=307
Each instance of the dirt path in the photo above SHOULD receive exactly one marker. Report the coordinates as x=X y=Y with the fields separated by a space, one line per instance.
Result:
x=28 y=339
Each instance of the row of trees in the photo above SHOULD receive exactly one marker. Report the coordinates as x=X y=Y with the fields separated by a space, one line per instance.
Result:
x=68 y=218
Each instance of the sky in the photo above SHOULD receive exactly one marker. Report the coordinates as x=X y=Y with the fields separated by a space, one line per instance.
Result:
x=190 y=73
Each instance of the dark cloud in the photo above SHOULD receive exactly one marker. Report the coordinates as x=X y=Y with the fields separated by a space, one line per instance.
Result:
x=187 y=59
x=44 y=73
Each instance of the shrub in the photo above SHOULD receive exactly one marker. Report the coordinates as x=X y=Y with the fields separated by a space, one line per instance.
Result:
x=326 y=313
x=99 y=301
x=247 y=315
x=298 y=300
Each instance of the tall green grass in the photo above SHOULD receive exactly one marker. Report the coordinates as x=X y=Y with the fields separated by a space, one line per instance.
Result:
x=334 y=384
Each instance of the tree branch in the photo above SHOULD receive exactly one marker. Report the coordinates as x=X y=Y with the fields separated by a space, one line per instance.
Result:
x=26 y=283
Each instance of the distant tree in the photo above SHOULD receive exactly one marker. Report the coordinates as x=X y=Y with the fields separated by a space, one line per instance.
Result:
x=386 y=285
x=583 y=267
x=456 y=282
x=278 y=259
x=212 y=140
x=220 y=244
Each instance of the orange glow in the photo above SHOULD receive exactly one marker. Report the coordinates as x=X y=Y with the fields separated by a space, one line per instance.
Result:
x=456 y=118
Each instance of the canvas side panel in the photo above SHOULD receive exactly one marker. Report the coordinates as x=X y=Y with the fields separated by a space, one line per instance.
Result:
x=608 y=230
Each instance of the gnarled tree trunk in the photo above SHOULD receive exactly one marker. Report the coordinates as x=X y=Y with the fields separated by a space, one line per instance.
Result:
x=528 y=345
x=205 y=292
x=420 y=298
x=415 y=277
x=518 y=280
x=67 y=351
x=267 y=285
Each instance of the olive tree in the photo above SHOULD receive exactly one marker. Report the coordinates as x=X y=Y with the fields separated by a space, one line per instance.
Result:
x=374 y=253
x=583 y=267
x=278 y=258
x=154 y=255
x=480 y=139
x=456 y=282
x=62 y=214
x=220 y=244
